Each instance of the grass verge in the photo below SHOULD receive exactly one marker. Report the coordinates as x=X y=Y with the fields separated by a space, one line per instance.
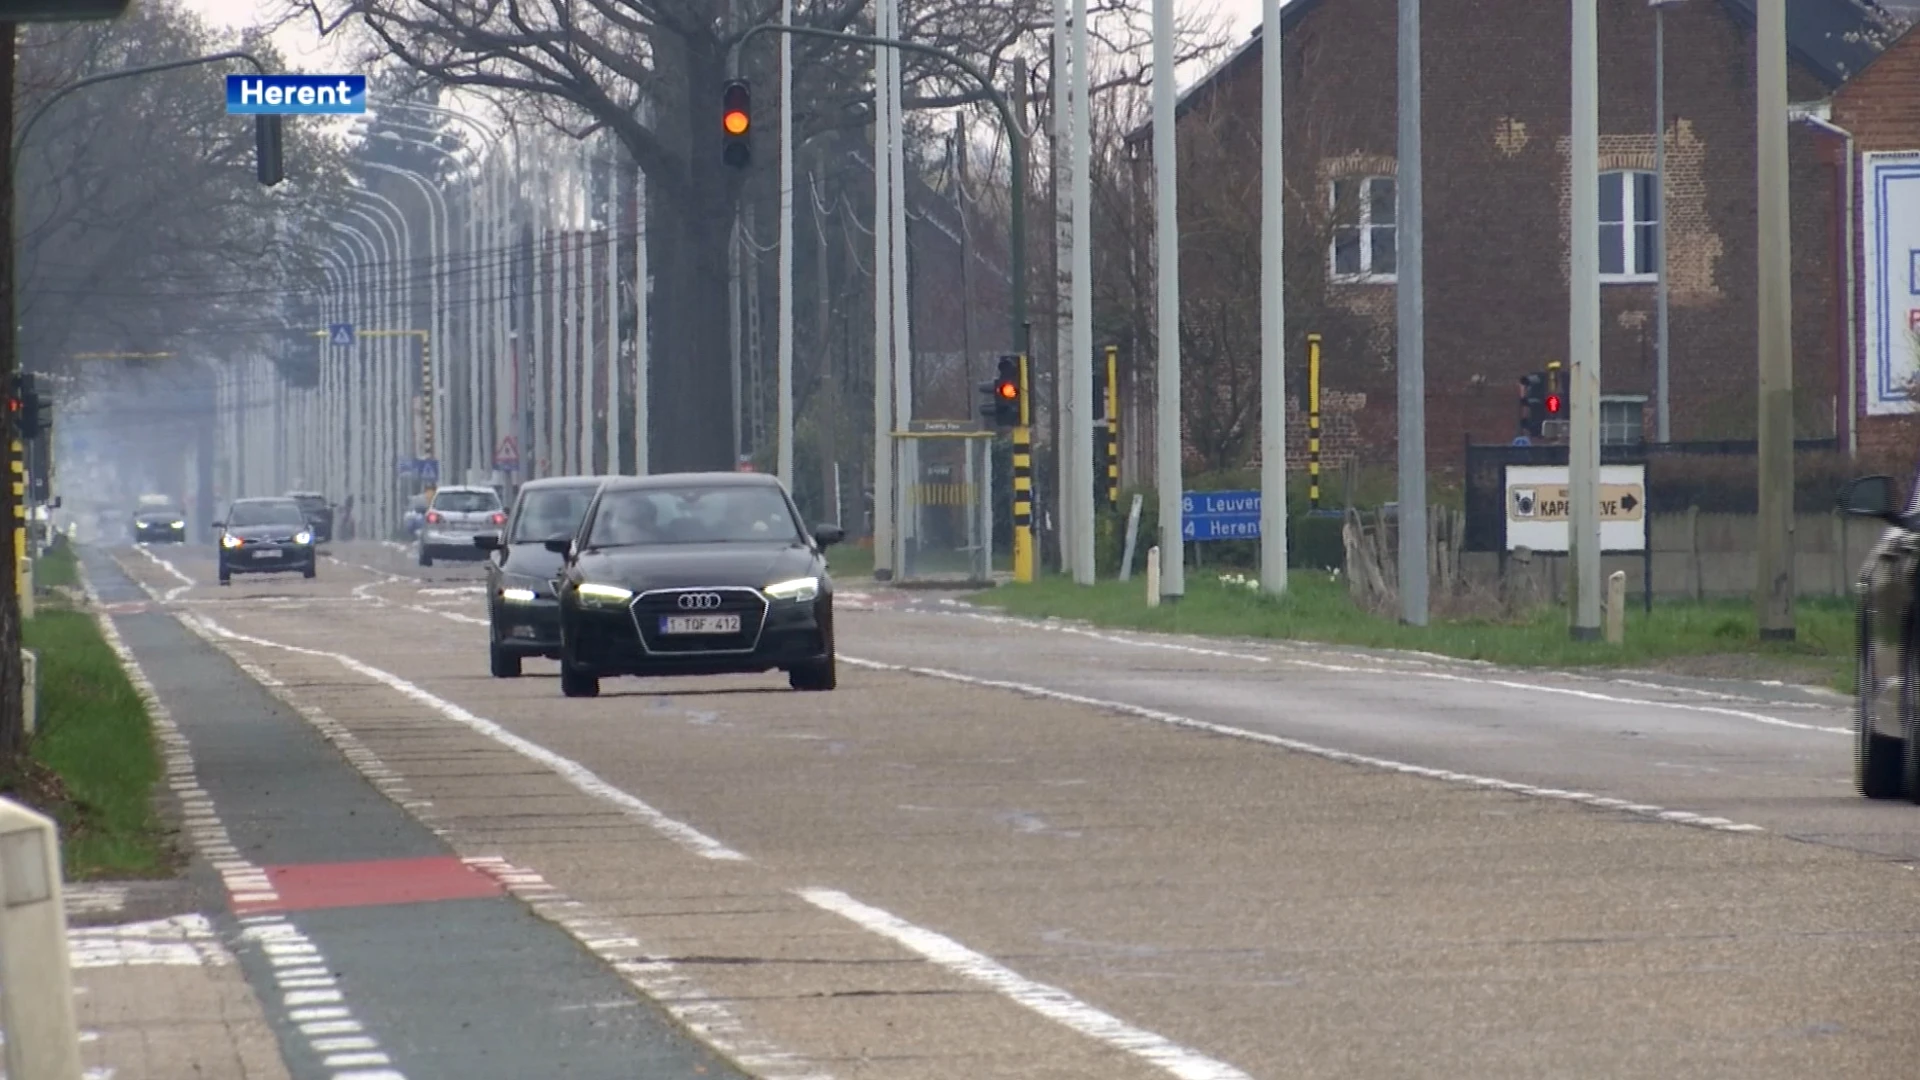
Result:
x=92 y=763
x=1720 y=639
x=58 y=568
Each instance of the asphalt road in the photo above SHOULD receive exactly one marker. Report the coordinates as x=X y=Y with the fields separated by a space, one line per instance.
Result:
x=1051 y=852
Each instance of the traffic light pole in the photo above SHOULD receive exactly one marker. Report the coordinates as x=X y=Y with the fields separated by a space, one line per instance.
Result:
x=1023 y=483
x=1016 y=142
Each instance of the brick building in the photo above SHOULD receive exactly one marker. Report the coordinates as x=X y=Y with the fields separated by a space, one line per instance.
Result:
x=1496 y=104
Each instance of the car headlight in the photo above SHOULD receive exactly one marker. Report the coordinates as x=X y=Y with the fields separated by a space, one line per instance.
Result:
x=303 y=537
x=228 y=540
x=177 y=525
x=596 y=593
x=800 y=588
x=517 y=596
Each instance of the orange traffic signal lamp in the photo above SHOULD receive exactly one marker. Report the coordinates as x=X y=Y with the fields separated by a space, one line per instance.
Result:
x=736 y=124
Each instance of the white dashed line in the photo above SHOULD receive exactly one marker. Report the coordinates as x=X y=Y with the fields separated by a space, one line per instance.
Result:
x=1678 y=817
x=171 y=594
x=180 y=941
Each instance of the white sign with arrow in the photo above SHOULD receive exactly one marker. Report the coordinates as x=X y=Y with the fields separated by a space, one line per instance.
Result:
x=1537 y=502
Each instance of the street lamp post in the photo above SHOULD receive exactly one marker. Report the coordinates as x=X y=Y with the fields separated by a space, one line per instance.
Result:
x=1663 y=422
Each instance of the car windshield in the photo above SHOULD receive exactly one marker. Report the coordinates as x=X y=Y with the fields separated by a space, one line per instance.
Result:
x=265 y=513
x=715 y=515
x=309 y=502
x=466 y=502
x=159 y=510
x=548 y=513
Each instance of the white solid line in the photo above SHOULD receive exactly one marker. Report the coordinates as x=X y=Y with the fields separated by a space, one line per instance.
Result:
x=1444 y=676
x=1051 y=1002
x=335 y=1061
x=582 y=778
x=1681 y=817
x=344 y=1042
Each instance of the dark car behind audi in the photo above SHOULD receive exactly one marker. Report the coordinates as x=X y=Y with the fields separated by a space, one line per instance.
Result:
x=523 y=612
x=265 y=536
x=695 y=574
x=159 y=520
x=318 y=511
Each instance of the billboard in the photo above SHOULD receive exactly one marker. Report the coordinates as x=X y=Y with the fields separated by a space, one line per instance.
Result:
x=1890 y=227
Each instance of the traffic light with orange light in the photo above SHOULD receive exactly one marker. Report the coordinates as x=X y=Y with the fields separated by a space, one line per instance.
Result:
x=736 y=124
x=1002 y=407
x=31 y=412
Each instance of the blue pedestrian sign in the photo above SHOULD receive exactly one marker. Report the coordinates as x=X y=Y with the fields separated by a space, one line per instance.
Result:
x=428 y=470
x=340 y=333
x=1220 y=515
x=1522 y=440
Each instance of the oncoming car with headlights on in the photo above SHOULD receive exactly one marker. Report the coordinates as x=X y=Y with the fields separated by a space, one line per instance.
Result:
x=265 y=536
x=523 y=613
x=695 y=574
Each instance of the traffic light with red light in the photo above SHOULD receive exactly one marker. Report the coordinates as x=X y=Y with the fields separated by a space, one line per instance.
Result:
x=31 y=412
x=1002 y=407
x=736 y=124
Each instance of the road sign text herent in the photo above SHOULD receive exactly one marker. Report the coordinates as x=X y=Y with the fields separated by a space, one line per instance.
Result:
x=297 y=94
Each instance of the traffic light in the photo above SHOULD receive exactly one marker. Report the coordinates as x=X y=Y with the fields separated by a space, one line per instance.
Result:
x=1556 y=402
x=1002 y=407
x=267 y=154
x=1533 y=403
x=31 y=411
x=736 y=123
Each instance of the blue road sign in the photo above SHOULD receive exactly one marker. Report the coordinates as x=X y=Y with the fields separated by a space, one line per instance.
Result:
x=1522 y=440
x=1220 y=515
x=340 y=333
x=428 y=470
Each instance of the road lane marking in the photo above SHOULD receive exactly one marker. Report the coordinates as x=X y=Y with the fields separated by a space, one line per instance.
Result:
x=1658 y=813
x=171 y=594
x=1049 y=1001
x=582 y=778
x=1413 y=672
x=244 y=880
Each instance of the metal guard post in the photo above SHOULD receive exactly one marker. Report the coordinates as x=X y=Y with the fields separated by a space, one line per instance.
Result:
x=1023 y=485
x=1313 y=421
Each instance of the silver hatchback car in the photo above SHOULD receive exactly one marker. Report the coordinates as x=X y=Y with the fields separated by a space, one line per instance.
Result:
x=456 y=515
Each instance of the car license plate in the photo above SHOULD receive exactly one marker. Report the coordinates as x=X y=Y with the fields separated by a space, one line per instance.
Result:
x=270 y=553
x=700 y=624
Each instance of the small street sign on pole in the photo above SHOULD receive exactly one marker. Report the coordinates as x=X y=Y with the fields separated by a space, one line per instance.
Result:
x=340 y=334
x=506 y=456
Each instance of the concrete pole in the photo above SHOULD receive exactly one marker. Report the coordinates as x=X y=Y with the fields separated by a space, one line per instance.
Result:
x=1080 y=360
x=1583 y=324
x=1411 y=319
x=589 y=352
x=783 y=419
x=1169 y=475
x=1663 y=420
x=500 y=379
x=556 y=315
x=883 y=563
x=1065 y=367
x=907 y=511
x=642 y=345
x=1273 y=309
x=612 y=296
x=541 y=401
x=1774 y=590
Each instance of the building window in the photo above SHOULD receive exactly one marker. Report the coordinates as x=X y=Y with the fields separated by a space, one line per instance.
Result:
x=1623 y=421
x=1364 y=216
x=1629 y=215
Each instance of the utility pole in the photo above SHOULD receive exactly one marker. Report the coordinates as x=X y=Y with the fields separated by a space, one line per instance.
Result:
x=783 y=419
x=1663 y=419
x=1273 y=310
x=883 y=508
x=13 y=734
x=1063 y=397
x=1079 y=360
x=1169 y=475
x=1774 y=590
x=1583 y=324
x=1411 y=322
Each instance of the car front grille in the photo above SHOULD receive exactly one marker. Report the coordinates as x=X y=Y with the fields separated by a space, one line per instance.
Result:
x=648 y=607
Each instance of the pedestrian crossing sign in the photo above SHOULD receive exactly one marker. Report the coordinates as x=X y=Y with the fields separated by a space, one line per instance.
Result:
x=340 y=333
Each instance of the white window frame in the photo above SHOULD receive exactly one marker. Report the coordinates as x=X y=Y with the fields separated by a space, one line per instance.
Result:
x=1367 y=276
x=1630 y=210
x=1638 y=401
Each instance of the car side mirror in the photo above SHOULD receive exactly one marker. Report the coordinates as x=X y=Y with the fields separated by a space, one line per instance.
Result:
x=487 y=541
x=219 y=524
x=828 y=535
x=1870 y=497
x=559 y=545
x=55 y=504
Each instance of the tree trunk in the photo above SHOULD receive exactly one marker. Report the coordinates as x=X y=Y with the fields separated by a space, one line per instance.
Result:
x=12 y=723
x=691 y=431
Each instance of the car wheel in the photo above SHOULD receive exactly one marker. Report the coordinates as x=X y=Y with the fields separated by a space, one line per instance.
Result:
x=310 y=571
x=226 y=575
x=818 y=675
x=1879 y=761
x=1909 y=755
x=426 y=559
x=575 y=681
x=504 y=664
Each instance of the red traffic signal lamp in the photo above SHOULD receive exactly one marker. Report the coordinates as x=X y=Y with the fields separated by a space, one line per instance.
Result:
x=736 y=124
x=1554 y=404
x=1002 y=408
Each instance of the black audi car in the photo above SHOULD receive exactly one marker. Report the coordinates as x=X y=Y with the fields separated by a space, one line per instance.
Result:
x=695 y=574
x=158 y=520
x=522 y=608
x=265 y=536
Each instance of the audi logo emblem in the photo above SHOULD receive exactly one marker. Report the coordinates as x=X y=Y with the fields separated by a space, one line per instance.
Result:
x=698 y=601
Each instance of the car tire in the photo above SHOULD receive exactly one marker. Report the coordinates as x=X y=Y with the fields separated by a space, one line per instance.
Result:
x=503 y=664
x=226 y=576
x=1879 y=761
x=426 y=557
x=818 y=675
x=577 y=683
x=1909 y=753
x=310 y=571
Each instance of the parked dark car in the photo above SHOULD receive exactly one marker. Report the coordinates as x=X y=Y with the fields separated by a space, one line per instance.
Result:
x=522 y=608
x=265 y=536
x=695 y=574
x=1886 y=760
x=319 y=513
x=159 y=520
